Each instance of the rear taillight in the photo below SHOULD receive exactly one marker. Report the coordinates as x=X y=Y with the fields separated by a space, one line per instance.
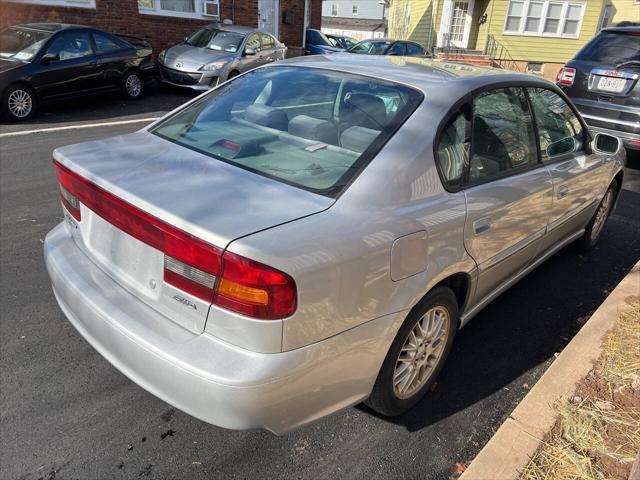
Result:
x=566 y=76
x=190 y=264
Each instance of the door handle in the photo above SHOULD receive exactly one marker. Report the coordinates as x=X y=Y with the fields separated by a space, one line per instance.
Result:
x=563 y=191
x=482 y=225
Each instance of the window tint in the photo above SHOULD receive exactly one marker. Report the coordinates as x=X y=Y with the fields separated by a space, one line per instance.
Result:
x=413 y=49
x=259 y=123
x=267 y=40
x=453 y=149
x=71 y=45
x=397 y=49
x=612 y=48
x=503 y=137
x=559 y=130
x=104 y=44
x=254 y=42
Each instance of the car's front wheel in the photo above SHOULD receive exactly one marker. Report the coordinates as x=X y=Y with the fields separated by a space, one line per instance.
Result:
x=596 y=224
x=417 y=354
x=132 y=85
x=19 y=103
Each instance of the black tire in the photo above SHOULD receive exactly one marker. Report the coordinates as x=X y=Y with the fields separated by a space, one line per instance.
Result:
x=384 y=399
x=596 y=224
x=131 y=85
x=16 y=96
x=232 y=74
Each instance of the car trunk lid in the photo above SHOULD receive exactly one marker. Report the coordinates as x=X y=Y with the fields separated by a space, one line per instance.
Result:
x=160 y=188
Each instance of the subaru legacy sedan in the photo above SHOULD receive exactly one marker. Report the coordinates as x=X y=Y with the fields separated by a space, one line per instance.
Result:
x=264 y=255
x=216 y=53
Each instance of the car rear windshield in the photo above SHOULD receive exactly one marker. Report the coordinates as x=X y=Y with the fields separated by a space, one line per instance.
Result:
x=21 y=43
x=307 y=127
x=370 y=48
x=221 y=40
x=613 y=48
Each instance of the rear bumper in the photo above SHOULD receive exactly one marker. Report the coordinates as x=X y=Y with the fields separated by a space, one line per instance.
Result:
x=630 y=140
x=202 y=375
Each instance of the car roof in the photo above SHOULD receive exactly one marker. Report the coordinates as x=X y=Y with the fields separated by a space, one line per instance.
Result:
x=420 y=73
x=49 y=27
x=232 y=28
x=629 y=28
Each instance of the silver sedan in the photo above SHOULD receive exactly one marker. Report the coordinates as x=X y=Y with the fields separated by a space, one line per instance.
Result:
x=216 y=53
x=265 y=255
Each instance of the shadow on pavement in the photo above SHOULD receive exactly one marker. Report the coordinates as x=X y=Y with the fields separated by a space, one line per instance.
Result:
x=530 y=322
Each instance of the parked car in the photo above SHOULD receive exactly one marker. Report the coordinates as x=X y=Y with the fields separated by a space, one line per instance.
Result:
x=317 y=43
x=267 y=255
x=216 y=53
x=341 y=41
x=603 y=82
x=386 y=46
x=42 y=62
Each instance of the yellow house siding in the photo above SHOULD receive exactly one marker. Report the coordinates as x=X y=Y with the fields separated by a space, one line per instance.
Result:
x=625 y=10
x=424 y=20
x=543 y=49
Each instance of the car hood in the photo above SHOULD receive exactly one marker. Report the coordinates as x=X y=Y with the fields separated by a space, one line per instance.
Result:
x=6 y=65
x=189 y=58
x=208 y=198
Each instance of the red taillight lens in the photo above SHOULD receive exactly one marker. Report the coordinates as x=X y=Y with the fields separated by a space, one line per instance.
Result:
x=566 y=76
x=190 y=264
x=254 y=289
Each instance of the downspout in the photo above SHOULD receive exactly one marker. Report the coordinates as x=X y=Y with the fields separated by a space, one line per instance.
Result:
x=304 y=25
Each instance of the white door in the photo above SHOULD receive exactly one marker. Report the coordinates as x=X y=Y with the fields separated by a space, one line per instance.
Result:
x=269 y=16
x=460 y=23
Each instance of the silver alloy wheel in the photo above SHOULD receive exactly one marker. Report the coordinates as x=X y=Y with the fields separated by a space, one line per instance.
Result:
x=602 y=214
x=421 y=352
x=20 y=103
x=133 y=85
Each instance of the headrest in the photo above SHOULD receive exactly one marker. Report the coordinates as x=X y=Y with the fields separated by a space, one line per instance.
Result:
x=266 y=116
x=313 y=129
x=366 y=110
x=358 y=139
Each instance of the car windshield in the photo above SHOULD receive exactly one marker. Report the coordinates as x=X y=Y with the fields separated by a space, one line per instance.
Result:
x=370 y=48
x=316 y=37
x=613 y=48
x=21 y=43
x=221 y=40
x=316 y=136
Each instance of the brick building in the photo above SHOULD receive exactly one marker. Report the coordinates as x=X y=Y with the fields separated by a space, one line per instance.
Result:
x=166 y=22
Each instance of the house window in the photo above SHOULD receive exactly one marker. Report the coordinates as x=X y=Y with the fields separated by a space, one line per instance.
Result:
x=334 y=10
x=545 y=18
x=354 y=10
x=61 y=3
x=181 y=8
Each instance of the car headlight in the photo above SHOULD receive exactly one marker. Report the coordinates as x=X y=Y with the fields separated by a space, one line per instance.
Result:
x=161 y=55
x=210 y=67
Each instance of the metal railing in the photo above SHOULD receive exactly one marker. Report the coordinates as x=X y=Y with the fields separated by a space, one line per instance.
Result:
x=500 y=55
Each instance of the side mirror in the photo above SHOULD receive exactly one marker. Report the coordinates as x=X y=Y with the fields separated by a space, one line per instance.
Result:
x=608 y=144
x=186 y=38
x=249 y=51
x=561 y=147
x=48 y=58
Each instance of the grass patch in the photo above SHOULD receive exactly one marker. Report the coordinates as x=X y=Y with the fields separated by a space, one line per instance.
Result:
x=597 y=434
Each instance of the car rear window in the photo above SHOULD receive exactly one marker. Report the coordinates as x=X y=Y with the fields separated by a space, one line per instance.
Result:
x=613 y=48
x=307 y=127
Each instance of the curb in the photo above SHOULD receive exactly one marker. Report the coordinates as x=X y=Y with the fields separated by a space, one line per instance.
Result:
x=519 y=437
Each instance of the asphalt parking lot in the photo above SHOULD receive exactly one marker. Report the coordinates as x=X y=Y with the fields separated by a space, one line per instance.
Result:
x=66 y=413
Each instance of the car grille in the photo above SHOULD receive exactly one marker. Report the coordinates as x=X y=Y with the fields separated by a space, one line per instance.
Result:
x=181 y=78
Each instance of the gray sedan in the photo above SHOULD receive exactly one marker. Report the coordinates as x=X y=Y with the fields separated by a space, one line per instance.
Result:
x=216 y=53
x=266 y=255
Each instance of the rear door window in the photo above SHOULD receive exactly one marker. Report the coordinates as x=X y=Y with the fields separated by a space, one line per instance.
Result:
x=397 y=48
x=414 y=50
x=315 y=137
x=104 y=44
x=503 y=140
x=560 y=133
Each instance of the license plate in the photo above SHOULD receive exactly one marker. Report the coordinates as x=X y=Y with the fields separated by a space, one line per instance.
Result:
x=610 y=84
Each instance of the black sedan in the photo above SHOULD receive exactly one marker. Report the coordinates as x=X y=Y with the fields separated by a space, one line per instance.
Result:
x=41 y=62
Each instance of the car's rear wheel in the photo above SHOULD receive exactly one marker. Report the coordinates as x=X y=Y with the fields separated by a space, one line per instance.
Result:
x=19 y=103
x=417 y=354
x=132 y=85
x=597 y=222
